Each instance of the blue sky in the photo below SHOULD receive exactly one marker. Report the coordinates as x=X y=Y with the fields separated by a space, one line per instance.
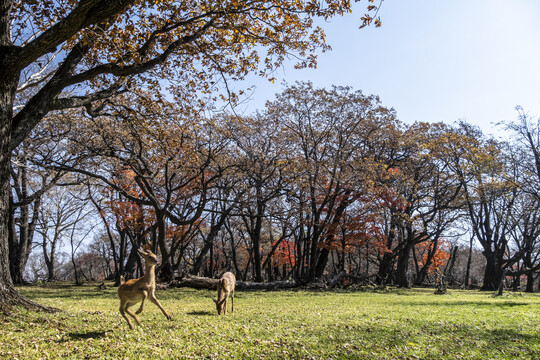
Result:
x=432 y=60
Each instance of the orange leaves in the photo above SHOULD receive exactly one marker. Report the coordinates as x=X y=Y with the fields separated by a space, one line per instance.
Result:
x=392 y=171
x=285 y=254
x=439 y=258
x=130 y=215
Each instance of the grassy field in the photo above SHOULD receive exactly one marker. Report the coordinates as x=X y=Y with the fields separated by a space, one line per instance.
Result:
x=390 y=324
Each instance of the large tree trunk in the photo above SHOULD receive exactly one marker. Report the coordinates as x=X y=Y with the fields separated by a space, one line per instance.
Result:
x=322 y=261
x=8 y=294
x=8 y=82
x=492 y=274
x=530 y=283
x=385 y=269
x=529 y=287
x=403 y=266
x=386 y=265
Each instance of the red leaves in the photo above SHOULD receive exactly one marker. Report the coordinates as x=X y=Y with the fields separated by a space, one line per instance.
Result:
x=441 y=256
x=285 y=254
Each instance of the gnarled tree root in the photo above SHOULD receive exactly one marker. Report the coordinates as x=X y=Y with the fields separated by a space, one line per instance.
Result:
x=9 y=297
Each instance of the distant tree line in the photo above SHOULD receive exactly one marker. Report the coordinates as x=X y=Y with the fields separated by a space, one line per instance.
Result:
x=320 y=183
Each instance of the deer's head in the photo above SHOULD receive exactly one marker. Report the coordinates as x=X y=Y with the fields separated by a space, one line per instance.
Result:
x=149 y=257
x=219 y=305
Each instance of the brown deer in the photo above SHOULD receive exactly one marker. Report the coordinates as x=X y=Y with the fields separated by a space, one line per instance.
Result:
x=225 y=287
x=134 y=291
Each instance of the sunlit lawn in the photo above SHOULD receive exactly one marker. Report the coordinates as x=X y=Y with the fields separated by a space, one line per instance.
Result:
x=392 y=324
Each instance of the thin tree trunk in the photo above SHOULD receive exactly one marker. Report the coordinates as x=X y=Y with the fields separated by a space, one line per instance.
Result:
x=214 y=231
x=256 y=239
x=233 y=251
x=501 y=283
x=469 y=261
x=450 y=265
x=166 y=270
x=423 y=272
x=115 y=257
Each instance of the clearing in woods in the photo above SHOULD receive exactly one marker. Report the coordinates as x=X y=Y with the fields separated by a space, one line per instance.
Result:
x=383 y=324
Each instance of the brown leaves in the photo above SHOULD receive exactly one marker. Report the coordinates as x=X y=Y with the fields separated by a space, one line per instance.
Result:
x=368 y=19
x=193 y=43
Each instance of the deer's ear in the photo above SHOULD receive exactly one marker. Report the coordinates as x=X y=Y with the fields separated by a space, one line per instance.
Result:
x=214 y=300
x=142 y=252
x=147 y=247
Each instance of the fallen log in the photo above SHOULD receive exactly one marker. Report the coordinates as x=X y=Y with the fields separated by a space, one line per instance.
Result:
x=274 y=285
x=342 y=275
x=199 y=282
x=196 y=282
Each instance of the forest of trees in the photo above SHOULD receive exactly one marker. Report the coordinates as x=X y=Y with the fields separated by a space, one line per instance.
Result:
x=118 y=129
x=320 y=182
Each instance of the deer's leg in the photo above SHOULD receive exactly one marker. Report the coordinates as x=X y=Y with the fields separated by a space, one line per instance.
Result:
x=122 y=311
x=232 y=302
x=132 y=314
x=145 y=294
x=225 y=304
x=153 y=299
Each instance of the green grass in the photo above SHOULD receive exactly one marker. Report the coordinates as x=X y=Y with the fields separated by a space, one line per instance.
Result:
x=392 y=324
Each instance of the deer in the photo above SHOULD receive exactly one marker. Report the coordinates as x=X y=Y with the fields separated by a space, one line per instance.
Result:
x=225 y=287
x=134 y=291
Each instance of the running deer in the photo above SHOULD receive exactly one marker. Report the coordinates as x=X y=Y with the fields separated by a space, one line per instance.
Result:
x=225 y=287
x=134 y=291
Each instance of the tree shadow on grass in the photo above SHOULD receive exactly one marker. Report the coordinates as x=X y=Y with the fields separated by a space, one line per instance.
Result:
x=200 y=313
x=463 y=338
x=65 y=290
x=466 y=303
x=66 y=295
x=86 y=335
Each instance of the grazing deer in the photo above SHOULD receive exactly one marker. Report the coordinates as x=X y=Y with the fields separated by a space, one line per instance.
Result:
x=225 y=287
x=134 y=291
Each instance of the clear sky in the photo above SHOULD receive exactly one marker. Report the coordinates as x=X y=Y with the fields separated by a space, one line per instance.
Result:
x=433 y=60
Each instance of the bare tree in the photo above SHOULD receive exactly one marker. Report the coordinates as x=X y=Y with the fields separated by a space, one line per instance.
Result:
x=60 y=219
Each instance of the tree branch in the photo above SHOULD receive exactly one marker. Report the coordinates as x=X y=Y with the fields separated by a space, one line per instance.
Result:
x=39 y=105
x=86 y=13
x=119 y=70
x=79 y=101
